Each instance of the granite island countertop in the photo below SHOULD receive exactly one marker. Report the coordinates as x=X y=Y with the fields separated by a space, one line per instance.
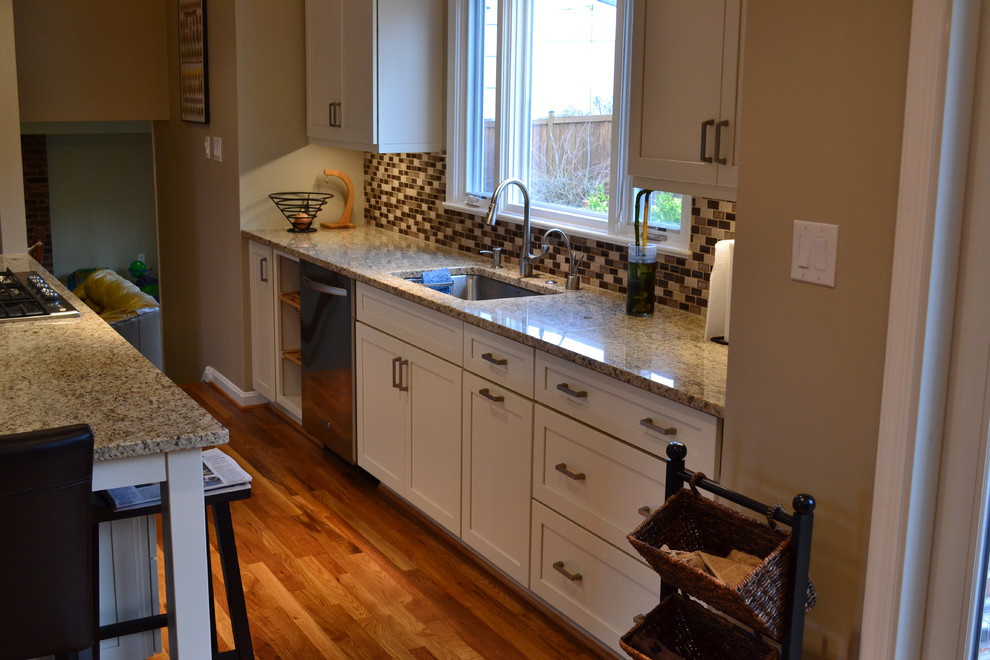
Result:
x=666 y=354
x=59 y=372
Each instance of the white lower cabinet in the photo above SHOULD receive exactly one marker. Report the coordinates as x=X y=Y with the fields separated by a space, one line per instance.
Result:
x=591 y=582
x=409 y=423
x=381 y=407
x=262 y=287
x=541 y=466
x=276 y=370
x=497 y=445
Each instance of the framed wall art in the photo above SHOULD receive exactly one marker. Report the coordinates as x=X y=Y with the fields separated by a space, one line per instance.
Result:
x=194 y=86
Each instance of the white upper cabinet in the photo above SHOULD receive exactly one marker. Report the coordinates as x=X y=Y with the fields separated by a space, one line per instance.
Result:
x=685 y=96
x=375 y=74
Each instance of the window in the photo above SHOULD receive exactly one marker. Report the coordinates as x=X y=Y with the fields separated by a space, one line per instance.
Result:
x=537 y=92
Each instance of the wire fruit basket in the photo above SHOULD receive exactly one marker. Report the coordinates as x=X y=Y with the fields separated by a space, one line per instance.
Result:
x=300 y=208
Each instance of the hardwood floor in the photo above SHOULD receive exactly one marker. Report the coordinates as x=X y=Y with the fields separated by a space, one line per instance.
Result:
x=333 y=568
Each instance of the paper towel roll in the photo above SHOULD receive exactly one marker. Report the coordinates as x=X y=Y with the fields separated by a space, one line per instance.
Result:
x=720 y=293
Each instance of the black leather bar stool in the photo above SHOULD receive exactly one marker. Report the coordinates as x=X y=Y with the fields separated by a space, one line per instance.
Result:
x=47 y=553
x=219 y=503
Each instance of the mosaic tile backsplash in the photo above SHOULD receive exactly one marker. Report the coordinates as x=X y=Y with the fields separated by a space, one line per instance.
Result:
x=405 y=193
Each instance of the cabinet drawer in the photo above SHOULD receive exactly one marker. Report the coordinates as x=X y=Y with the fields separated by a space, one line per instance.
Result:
x=609 y=587
x=426 y=328
x=499 y=359
x=593 y=479
x=641 y=418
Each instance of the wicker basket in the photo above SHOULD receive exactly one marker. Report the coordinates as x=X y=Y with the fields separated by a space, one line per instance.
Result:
x=687 y=521
x=681 y=628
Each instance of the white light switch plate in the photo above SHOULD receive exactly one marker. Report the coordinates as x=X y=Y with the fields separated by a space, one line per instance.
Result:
x=813 y=252
x=217 y=149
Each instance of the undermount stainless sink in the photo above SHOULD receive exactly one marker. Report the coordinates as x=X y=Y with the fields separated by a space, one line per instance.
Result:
x=474 y=286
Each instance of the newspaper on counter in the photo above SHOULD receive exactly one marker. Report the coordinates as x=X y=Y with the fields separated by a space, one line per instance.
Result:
x=220 y=473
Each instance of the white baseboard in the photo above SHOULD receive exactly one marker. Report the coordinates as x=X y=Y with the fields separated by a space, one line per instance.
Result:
x=240 y=397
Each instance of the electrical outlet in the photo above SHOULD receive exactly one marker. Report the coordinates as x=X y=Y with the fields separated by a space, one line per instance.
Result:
x=218 y=149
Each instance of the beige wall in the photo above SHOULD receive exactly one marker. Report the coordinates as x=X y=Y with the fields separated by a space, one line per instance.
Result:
x=13 y=234
x=102 y=61
x=257 y=107
x=275 y=154
x=823 y=96
x=198 y=225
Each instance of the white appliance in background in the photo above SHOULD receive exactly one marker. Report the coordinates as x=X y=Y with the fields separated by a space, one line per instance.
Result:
x=720 y=293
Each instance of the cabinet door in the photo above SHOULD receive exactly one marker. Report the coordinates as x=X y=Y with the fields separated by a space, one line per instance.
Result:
x=497 y=441
x=262 y=320
x=433 y=468
x=340 y=60
x=381 y=406
x=685 y=57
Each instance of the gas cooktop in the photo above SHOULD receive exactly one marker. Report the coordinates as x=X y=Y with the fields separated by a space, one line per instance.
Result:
x=28 y=297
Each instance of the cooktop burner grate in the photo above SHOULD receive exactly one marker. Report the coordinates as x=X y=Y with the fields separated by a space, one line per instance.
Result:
x=26 y=296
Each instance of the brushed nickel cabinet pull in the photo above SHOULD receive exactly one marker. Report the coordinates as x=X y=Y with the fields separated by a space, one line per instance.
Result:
x=718 y=141
x=645 y=511
x=662 y=430
x=263 y=267
x=567 y=389
x=576 y=476
x=485 y=392
x=573 y=577
x=397 y=373
x=335 y=114
x=488 y=357
x=639 y=618
x=705 y=158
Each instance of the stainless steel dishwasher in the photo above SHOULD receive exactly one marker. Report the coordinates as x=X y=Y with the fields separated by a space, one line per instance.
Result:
x=327 y=332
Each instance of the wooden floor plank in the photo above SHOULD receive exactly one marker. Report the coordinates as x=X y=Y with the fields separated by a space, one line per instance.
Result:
x=335 y=568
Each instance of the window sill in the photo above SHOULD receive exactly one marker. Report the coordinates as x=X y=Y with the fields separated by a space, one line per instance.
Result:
x=571 y=230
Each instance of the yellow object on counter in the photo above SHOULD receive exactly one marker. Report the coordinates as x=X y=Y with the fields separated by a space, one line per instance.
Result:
x=113 y=297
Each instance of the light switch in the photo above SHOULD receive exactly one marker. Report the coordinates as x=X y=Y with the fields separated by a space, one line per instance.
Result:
x=206 y=147
x=813 y=252
x=218 y=149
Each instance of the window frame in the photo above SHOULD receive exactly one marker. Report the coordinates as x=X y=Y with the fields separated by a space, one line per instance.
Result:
x=463 y=88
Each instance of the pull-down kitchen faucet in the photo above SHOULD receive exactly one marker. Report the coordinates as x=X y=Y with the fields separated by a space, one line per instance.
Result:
x=526 y=258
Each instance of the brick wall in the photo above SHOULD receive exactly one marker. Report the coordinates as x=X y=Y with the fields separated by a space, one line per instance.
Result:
x=34 y=155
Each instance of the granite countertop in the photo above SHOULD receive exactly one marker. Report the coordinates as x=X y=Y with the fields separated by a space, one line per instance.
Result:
x=666 y=354
x=59 y=372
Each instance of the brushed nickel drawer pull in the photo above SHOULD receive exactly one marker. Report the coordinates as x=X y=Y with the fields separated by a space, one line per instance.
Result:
x=485 y=392
x=488 y=357
x=645 y=511
x=639 y=618
x=567 y=389
x=576 y=476
x=662 y=430
x=573 y=577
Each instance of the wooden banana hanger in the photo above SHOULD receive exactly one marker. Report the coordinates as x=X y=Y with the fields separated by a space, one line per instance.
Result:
x=345 y=217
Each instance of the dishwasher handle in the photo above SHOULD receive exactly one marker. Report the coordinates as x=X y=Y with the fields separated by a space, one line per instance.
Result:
x=324 y=288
